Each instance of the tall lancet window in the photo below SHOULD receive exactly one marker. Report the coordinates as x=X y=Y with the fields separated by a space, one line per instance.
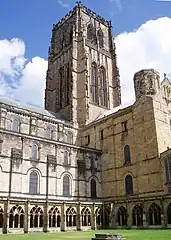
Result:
x=61 y=87
x=94 y=83
x=103 y=86
x=100 y=38
x=67 y=82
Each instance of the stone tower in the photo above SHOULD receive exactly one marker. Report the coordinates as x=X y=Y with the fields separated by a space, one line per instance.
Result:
x=82 y=76
x=146 y=82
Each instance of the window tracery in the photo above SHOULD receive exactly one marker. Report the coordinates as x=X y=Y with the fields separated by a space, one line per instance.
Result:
x=54 y=217
x=36 y=217
x=16 y=217
x=71 y=217
x=86 y=217
x=100 y=38
x=91 y=33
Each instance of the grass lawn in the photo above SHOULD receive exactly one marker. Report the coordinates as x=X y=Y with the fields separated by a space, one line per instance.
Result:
x=129 y=235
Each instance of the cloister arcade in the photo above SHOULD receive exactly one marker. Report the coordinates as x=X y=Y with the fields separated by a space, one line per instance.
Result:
x=16 y=217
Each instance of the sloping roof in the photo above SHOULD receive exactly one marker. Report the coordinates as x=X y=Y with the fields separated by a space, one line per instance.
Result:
x=31 y=108
x=114 y=110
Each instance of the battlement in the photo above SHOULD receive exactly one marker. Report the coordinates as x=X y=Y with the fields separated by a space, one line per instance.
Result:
x=84 y=9
x=148 y=82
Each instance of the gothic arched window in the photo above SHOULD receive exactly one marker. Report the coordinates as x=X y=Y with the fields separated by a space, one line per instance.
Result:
x=54 y=217
x=86 y=217
x=94 y=83
x=34 y=152
x=122 y=216
x=93 y=188
x=128 y=185
x=16 y=217
x=103 y=86
x=61 y=87
x=71 y=217
x=154 y=214
x=33 y=183
x=36 y=217
x=127 y=154
x=15 y=125
x=100 y=38
x=48 y=132
x=91 y=33
x=66 y=186
x=137 y=216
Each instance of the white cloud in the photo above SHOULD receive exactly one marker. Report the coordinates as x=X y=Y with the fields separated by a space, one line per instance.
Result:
x=118 y=4
x=63 y=4
x=21 y=79
x=147 y=47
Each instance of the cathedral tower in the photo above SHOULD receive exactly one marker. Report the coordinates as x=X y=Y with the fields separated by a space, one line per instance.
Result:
x=82 y=77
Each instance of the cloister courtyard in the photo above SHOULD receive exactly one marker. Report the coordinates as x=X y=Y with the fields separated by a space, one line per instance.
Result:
x=128 y=234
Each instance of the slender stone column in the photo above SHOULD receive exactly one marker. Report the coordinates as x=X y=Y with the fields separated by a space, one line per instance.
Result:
x=145 y=215
x=63 y=218
x=93 y=220
x=129 y=219
x=6 y=217
x=26 y=217
x=79 y=217
x=45 y=217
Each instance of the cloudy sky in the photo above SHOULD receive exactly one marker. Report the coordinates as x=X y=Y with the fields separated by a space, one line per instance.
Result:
x=143 y=40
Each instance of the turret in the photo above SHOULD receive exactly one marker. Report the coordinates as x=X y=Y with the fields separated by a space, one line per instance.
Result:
x=146 y=82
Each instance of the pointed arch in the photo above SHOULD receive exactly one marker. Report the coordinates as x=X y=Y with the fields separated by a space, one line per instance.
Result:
x=71 y=217
x=122 y=216
x=91 y=34
x=128 y=185
x=137 y=216
x=93 y=188
x=98 y=216
x=100 y=38
x=66 y=185
x=54 y=217
x=154 y=214
x=103 y=86
x=127 y=154
x=16 y=217
x=34 y=182
x=94 y=83
x=15 y=125
x=36 y=217
x=86 y=217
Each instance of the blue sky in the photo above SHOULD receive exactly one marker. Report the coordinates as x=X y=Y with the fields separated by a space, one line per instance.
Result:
x=32 y=20
x=143 y=40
